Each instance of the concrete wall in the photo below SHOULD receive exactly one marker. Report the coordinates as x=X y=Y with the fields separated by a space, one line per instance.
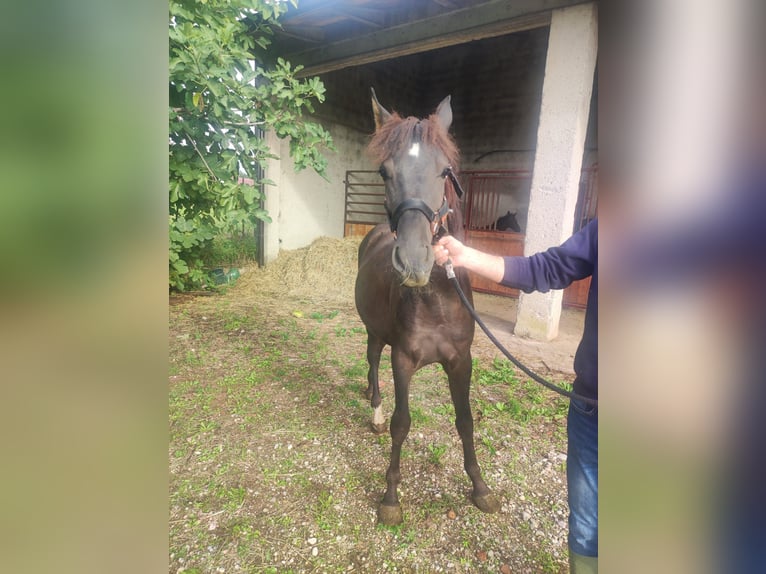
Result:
x=304 y=206
x=564 y=118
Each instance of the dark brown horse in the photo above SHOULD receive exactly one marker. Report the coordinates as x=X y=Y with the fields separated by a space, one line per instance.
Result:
x=405 y=300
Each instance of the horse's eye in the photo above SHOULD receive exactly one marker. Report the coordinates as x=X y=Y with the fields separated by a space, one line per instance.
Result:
x=446 y=171
x=383 y=173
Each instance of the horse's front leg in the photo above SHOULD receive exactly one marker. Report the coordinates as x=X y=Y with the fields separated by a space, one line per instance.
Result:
x=374 y=349
x=459 y=374
x=389 y=511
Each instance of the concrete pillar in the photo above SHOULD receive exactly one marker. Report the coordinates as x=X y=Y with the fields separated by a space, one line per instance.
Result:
x=569 y=68
x=272 y=200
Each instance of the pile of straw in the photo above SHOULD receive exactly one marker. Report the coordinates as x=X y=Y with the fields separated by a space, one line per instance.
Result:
x=324 y=271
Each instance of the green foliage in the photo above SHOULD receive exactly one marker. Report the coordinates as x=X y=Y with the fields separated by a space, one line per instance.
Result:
x=502 y=372
x=319 y=316
x=226 y=89
x=436 y=451
x=525 y=399
x=231 y=249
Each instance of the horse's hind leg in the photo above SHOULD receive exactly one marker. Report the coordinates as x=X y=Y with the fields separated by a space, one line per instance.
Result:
x=459 y=374
x=374 y=349
x=389 y=511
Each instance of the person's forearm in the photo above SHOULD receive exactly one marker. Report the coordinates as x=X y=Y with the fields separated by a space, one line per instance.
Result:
x=490 y=266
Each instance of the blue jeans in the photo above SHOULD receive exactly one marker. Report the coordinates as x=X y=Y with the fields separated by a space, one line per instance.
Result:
x=582 y=477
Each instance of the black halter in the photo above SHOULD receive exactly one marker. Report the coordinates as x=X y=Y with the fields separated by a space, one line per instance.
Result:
x=455 y=182
x=417 y=204
x=435 y=218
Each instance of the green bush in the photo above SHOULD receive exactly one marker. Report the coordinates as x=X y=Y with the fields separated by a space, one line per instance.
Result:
x=226 y=89
x=231 y=250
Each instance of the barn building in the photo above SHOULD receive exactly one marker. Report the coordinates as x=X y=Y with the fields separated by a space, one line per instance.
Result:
x=522 y=76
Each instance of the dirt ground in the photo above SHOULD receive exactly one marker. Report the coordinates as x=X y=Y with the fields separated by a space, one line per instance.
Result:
x=499 y=314
x=273 y=467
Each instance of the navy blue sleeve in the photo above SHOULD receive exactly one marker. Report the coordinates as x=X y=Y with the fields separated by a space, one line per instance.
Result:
x=557 y=267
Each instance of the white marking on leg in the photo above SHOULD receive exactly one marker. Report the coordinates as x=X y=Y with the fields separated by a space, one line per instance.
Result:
x=377 y=415
x=415 y=150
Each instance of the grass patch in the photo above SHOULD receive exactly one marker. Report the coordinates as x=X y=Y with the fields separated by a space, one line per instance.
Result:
x=523 y=401
x=194 y=358
x=324 y=512
x=446 y=409
x=235 y=322
x=546 y=562
x=419 y=416
x=231 y=498
x=487 y=442
x=356 y=370
x=318 y=316
x=341 y=331
x=500 y=372
x=270 y=447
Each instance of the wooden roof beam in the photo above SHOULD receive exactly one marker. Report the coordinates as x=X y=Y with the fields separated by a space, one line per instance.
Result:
x=445 y=3
x=306 y=33
x=494 y=18
x=368 y=16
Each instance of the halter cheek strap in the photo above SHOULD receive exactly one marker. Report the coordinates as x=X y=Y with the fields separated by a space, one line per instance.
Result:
x=455 y=182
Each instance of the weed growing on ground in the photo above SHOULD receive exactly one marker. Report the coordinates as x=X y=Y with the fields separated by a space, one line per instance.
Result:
x=356 y=370
x=320 y=317
x=524 y=401
x=419 y=416
x=436 y=452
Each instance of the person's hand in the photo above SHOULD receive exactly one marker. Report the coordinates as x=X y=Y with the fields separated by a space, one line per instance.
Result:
x=449 y=248
x=490 y=266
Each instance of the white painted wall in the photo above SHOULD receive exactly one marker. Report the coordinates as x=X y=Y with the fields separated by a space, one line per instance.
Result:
x=304 y=206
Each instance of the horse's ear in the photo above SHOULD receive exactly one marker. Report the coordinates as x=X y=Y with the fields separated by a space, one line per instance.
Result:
x=380 y=113
x=444 y=113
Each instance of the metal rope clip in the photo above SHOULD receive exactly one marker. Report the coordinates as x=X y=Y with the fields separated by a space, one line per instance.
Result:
x=449 y=269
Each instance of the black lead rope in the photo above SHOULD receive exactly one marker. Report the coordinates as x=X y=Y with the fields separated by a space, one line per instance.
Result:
x=453 y=279
x=514 y=360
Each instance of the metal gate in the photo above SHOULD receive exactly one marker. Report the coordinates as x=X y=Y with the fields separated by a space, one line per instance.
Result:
x=364 y=209
x=488 y=192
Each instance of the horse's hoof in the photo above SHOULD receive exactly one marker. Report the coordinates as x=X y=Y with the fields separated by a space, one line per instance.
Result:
x=390 y=515
x=487 y=503
x=381 y=428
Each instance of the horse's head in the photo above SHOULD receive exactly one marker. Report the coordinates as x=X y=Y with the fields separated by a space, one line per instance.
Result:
x=414 y=158
x=508 y=221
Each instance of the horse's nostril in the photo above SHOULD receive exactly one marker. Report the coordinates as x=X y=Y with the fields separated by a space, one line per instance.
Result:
x=396 y=259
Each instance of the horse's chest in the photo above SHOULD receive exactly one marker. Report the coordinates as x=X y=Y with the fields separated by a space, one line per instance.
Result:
x=434 y=328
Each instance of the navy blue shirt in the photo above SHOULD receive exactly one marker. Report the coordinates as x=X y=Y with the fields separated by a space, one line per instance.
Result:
x=557 y=268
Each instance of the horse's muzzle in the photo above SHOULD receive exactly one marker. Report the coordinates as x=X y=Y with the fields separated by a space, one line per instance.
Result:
x=412 y=274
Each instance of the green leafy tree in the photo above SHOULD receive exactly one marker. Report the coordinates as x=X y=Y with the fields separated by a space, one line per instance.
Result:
x=225 y=90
